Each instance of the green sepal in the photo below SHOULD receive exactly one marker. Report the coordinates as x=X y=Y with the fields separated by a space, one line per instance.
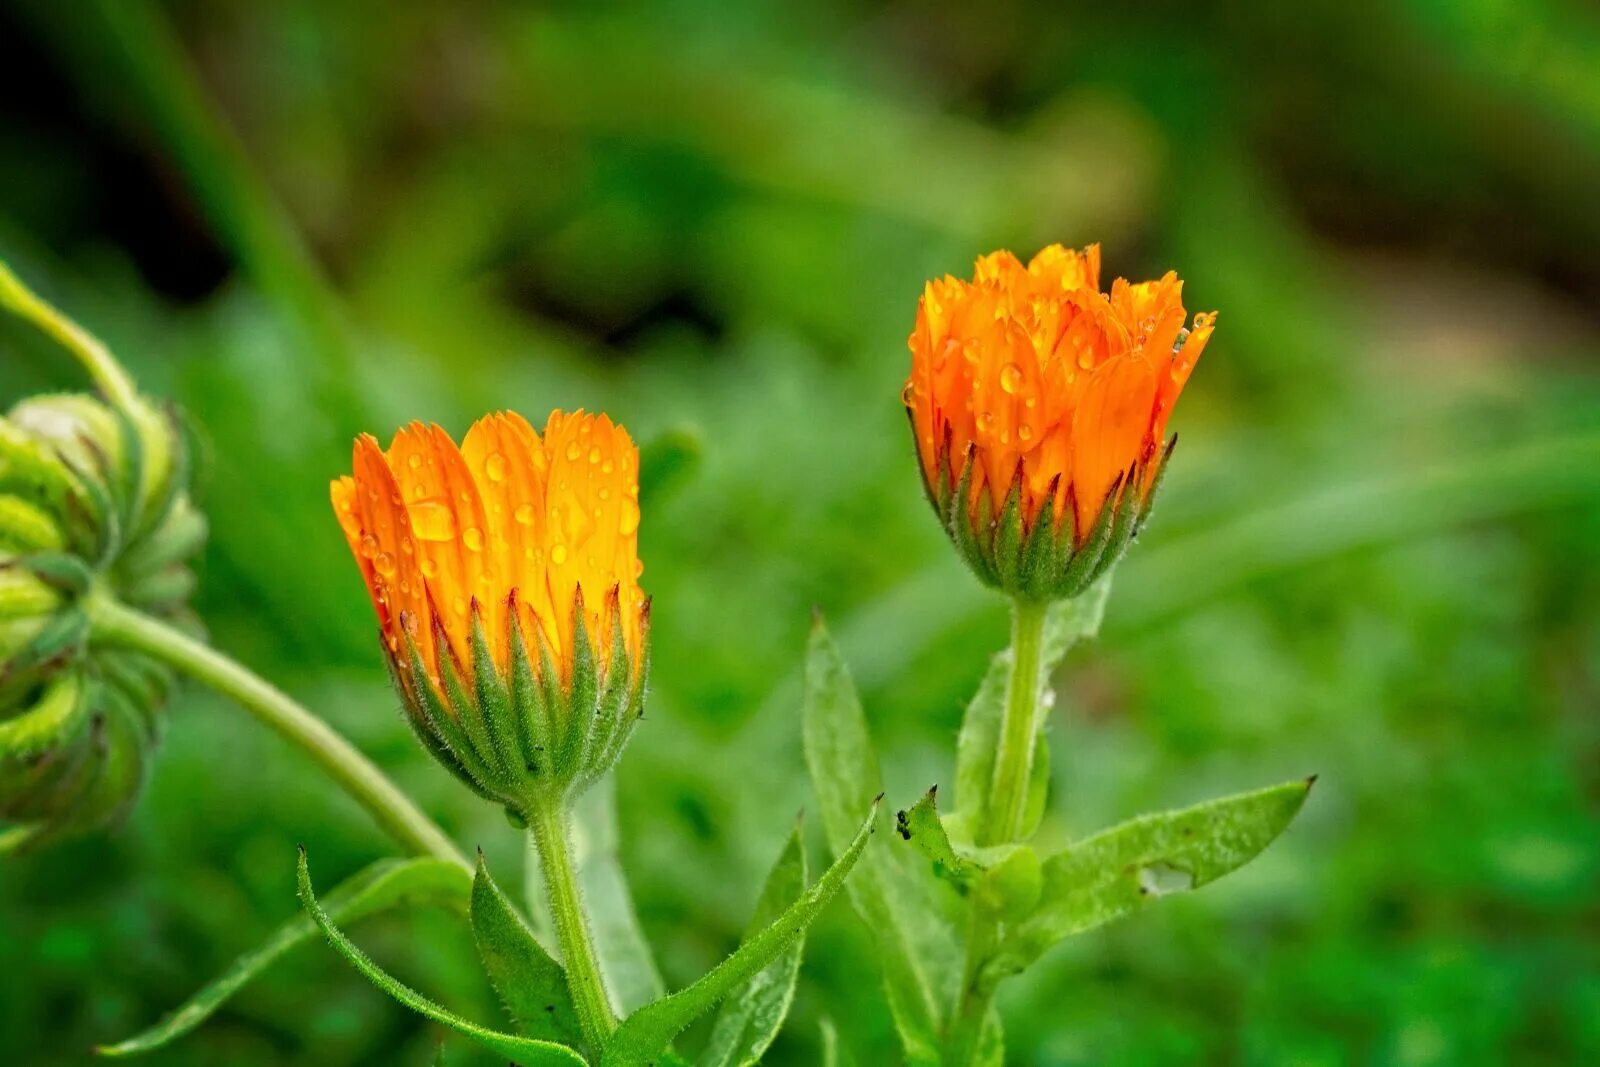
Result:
x=437 y=725
x=1126 y=867
x=531 y=984
x=1008 y=537
x=1149 y=503
x=972 y=535
x=645 y=1034
x=613 y=723
x=526 y=1051
x=52 y=721
x=493 y=702
x=528 y=700
x=1079 y=573
x=582 y=688
x=59 y=570
x=452 y=674
x=27 y=527
x=1039 y=552
x=752 y=1015
x=60 y=639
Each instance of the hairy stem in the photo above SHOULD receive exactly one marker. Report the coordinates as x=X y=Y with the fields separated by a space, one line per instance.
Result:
x=114 y=624
x=548 y=826
x=107 y=373
x=1013 y=762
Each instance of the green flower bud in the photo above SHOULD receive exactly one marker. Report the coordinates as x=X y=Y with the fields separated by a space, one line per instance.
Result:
x=94 y=502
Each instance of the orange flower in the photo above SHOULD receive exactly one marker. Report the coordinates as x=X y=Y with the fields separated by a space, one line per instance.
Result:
x=1040 y=392
x=513 y=552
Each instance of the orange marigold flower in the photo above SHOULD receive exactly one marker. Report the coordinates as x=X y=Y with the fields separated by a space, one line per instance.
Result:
x=505 y=574
x=1039 y=405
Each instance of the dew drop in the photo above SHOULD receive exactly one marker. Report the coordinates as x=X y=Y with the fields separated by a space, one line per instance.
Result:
x=1011 y=378
x=472 y=537
x=630 y=518
x=1024 y=432
x=384 y=564
x=414 y=461
x=369 y=546
x=638 y=567
x=574 y=450
x=495 y=467
x=524 y=514
x=433 y=521
x=430 y=569
x=986 y=421
x=607 y=467
x=558 y=555
x=594 y=455
x=908 y=394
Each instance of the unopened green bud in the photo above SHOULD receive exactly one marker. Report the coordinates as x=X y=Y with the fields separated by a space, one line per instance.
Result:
x=94 y=505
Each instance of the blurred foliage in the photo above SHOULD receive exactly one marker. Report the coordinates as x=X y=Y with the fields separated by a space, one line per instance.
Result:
x=1375 y=558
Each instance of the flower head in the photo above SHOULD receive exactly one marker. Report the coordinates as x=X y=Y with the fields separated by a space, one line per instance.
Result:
x=505 y=574
x=1039 y=406
x=94 y=505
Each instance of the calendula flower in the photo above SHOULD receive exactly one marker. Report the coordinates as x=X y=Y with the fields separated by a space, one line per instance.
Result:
x=94 y=506
x=1039 y=406
x=505 y=574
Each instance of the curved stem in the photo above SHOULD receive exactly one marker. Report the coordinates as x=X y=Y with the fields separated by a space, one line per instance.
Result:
x=547 y=825
x=107 y=373
x=115 y=624
x=1013 y=762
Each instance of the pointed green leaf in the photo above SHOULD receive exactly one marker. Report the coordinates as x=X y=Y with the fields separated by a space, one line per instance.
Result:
x=522 y=1050
x=383 y=885
x=845 y=776
x=532 y=986
x=1121 y=869
x=624 y=954
x=921 y=826
x=752 y=1015
x=1067 y=623
x=644 y=1035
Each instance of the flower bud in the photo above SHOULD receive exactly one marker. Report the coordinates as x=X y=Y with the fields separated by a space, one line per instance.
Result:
x=93 y=503
x=1038 y=405
x=505 y=578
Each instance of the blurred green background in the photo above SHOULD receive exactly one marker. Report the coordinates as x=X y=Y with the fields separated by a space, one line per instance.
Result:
x=1375 y=558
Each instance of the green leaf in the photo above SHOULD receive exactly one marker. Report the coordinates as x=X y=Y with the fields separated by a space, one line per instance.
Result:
x=624 y=954
x=1121 y=869
x=845 y=776
x=532 y=986
x=523 y=1050
x=752 y=1015
x=644 y=1035
x=921 y=826
x=383 y=885
x=1067 y=623
x=833 y=1053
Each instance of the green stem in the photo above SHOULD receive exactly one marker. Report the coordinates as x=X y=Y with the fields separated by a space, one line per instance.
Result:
x=114 y=624
x=547 y=824
x=1013 y=762
x=107 y=373
x=976 y=994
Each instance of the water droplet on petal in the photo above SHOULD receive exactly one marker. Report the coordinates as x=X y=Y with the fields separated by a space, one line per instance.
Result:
x=558 y=555
x=495 y=467
x=524 y=514
x=369 y=546
x=432 y=521
x=574 y=450
x=472 y=537
x=414 y=461
x=630 y=518
x=1011 y=378
x=986 y=421
x=384 y=564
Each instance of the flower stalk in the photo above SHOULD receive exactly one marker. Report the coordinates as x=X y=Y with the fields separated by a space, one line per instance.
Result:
x=1013 y=767
x=114 y=625
x=549 y=828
